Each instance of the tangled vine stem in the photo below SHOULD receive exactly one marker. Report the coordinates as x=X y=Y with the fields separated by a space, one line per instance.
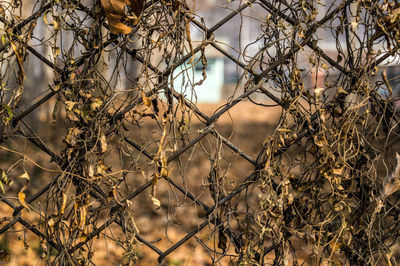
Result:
x=116 y=77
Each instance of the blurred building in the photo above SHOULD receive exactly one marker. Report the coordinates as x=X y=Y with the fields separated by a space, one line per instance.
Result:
x=206 y=88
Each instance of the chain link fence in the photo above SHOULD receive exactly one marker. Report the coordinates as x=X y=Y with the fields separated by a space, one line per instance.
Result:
x=102 y=125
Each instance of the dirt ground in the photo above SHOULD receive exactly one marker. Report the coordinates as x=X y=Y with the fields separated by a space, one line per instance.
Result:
x=246 y=126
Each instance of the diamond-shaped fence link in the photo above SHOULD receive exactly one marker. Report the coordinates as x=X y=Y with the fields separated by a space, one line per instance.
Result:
x=105 y=139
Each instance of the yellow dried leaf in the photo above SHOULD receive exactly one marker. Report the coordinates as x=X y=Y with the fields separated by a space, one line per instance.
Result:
x=100 y=169
x=64 y=203
x=338 y=207
x=320 y=142
x=71 y=137
x=56 y=87
x=342 y=91
x=282 y=139
x=70 y=105
x=25 y=175
x=56 y=24
x=114 y=191
x=82 y=220
x=45 y=20
x=96 y=104
x=338 y=171
x=146 y=100
x=51 y=222
x=21 y=198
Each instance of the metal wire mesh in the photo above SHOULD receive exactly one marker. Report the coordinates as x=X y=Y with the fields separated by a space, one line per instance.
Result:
x=116 y=153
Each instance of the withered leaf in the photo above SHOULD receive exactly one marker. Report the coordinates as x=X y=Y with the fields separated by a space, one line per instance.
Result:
x=82 y=217
x=116 y=26
x=222 y=240
x=25 y=175
x=19 y=55
x=51 y=222
x=70 y=105
x=146 y=100
x=96 y=104
x=137 y=6
x=21 y=194
x=103 y=143
x=21 y=198
x=114 y=192
x=64 y=203
x=115 y=13
x=164 y=165
x=156 y=203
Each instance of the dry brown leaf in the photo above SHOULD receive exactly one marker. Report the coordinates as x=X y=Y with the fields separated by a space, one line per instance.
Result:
x=116 y=26
x=114 y=6
x=222 y=240
x=19 y=57
x=146 y=100
x=45 y=19
x=82 y=217
x=137 y=6
x=115 y=13
x=114 y=192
